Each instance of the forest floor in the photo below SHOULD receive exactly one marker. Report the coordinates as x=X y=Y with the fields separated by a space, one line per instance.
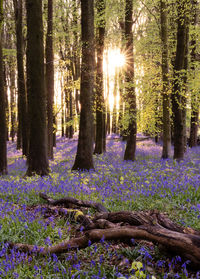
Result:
x=148 y=183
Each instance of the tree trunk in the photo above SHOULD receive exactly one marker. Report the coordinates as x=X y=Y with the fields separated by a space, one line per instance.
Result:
x=130 y=88
x=3 y=130
x=37 y=155
x=185 y=84
x=114 y=114
x=178 y=90
x=84 y=159
x=62 y=110
x=194 y=92
x=100 y=105
x=76 y=53
x=12 y=101
x=165 y=79
x=22 y=133
x=50 y=77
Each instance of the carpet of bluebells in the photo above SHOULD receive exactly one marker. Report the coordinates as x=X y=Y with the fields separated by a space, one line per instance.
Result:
x=148 y=183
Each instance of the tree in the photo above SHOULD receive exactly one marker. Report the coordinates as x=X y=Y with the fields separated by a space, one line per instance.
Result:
x=22 y=96
x=178 y=84
x=84 y=159
x=194 y=91
x=3 y=130
x=100 y=105
x=165 y=79
x=130 y=88
x=37 y=155
x=50 y=77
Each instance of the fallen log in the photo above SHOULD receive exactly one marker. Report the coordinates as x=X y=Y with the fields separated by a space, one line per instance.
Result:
x=185 y=245
x=69 y=201
x=123 y=226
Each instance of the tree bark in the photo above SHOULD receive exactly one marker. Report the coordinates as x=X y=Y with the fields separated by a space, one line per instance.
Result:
x=165 y=78
x=50 y=77
x=22 y=133
x=194 y=92
x=130 y=88
x=12 y=100
x=37 y=155
x=178 y=89
x=100 y=104
x=84 y=159
x=3 y=129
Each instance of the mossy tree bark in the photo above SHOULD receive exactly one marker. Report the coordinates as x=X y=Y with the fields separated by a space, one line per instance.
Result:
x=84 y=155
x=100 y=104
x=3 y=129
x=165 y=79
x=37 y=155
x=50 y=77
x=130 y=88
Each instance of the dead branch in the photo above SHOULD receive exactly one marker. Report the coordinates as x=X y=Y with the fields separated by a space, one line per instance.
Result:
x=69 y=201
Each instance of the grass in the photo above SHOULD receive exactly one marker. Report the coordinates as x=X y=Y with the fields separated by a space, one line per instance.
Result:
x=148 y=183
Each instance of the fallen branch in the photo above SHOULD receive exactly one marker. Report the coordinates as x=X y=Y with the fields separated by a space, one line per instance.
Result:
x=122 y=226
x=186 y=245
x=68 y=202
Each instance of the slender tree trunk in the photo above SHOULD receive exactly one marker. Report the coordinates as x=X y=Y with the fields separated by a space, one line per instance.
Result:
x=194 y=92
x=37 y=156
x=3 y=130
x=130 y=88
x=12 y=102
x=54 y=129
x=107 y=99
x=66 y=113
x=100 y=105
x=114 y=114
x=22 y=133
x=185 y=84
x=165 y=79
x=71 y=128
x=84 y=159
x=62 y=111
x=76 y=53
x=7 y=108
x=178 y=90
x=50 y=77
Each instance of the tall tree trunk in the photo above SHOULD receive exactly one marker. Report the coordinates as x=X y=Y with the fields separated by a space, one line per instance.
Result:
x=71 y=128
x=12 y=101
x=130 y=88
x=107 y=99
x=185 y=84
x=66 y=109
x=54 y=129
x=62 y=110
x=165 y=78
x=194 y=92
x=50 y=77
x=84 y=159
x=178 y=90
x=22 y=133
x=114 y=114
x=76 y=53
x=100 y=104
x=37 y=156
x=3 y=130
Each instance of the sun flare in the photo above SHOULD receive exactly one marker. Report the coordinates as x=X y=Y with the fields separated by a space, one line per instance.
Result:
x=113 y=59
